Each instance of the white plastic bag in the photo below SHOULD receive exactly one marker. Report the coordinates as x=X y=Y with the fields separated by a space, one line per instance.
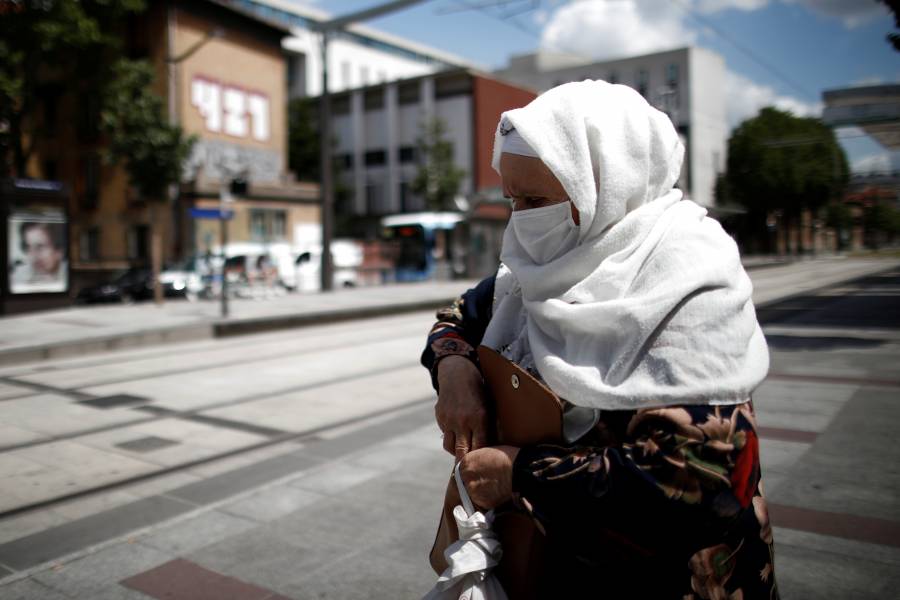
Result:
x=471 y=558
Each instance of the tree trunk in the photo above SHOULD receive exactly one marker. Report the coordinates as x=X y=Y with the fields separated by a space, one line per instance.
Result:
x=156 y=251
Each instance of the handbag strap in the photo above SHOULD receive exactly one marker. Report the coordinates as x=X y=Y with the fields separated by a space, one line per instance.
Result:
x=463 y=494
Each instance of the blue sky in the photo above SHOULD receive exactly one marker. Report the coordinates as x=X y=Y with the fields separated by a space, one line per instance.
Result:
x=808 y=45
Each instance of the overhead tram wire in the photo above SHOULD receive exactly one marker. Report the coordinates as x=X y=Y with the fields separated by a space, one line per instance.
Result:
x=745 y=50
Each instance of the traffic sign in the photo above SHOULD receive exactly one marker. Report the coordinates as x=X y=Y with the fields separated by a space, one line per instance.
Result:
x=211 y=213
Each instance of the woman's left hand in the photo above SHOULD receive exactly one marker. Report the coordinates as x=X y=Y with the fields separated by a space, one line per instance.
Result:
x=487 y=475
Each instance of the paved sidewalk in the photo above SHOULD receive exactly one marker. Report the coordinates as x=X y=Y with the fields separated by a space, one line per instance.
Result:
x=83 y=329
x=350 y=512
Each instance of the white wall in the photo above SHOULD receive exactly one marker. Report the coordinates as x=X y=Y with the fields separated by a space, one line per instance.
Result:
x=394 y=126
x=709 y=128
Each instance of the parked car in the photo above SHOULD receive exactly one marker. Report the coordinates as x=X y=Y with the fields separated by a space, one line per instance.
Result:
x=183 y=279
x=135 y=284
x=304 y=275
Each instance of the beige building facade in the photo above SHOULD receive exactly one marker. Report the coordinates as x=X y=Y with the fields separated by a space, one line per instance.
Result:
x=222 y=75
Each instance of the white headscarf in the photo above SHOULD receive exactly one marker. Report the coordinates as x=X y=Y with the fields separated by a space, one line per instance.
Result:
x=652 y=307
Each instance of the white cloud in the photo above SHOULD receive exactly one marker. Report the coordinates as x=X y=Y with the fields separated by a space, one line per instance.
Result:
x=613 y=29
x=872 y=163
x=711 y=6
x=851 y=12
x=870 y=80
x=744 y=98
x=541 y=17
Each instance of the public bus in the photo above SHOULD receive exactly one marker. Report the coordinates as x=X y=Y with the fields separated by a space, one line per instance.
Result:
x=428 y=245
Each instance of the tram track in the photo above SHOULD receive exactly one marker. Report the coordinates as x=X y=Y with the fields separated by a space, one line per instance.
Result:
x=309 y=436
x=183 y=414
x=311 y=346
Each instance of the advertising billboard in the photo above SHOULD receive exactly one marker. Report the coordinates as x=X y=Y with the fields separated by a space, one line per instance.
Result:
x=37 y=251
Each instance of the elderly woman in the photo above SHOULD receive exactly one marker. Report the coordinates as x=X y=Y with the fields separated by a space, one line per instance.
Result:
x=632 y=306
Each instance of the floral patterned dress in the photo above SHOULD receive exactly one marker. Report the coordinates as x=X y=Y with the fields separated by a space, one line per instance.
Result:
x=654 y=503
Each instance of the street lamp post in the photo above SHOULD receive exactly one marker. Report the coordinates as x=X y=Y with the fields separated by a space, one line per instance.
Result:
x=327 y=29
x=326 y=168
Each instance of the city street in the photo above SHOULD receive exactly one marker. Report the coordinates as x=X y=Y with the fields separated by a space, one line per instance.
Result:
x=304 y=463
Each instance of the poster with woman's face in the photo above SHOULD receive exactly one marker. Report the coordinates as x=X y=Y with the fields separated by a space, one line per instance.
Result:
x=37 y=252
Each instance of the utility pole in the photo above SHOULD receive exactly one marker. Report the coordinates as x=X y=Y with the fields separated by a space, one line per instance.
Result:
x=328 y=29
x=225 y=205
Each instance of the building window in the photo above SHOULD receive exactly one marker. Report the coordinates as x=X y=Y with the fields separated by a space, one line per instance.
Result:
x=340 y=105
x=408 y=93
x=672 y=75
x=138 y=243
x=279 y=224
x=91 y=173
x=364 y=75
x=268 y=225
x=257 y=225
x=407 y=154
x=376 y=158
x=89 y=244
x=458 y=84
x=374 y=99
x=642 y=82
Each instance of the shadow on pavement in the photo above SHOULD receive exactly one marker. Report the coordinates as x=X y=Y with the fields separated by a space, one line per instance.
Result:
x=804 y=343
x=874 y=304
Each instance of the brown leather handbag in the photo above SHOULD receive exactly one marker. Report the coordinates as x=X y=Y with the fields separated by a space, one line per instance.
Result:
x=526 y=412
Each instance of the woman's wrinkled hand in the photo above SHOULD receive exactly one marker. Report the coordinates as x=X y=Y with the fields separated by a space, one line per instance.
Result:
x=487 y=474
x=460 y=410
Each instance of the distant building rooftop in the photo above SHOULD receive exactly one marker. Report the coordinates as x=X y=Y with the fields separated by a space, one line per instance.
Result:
x=304 y=17
x=874 y=108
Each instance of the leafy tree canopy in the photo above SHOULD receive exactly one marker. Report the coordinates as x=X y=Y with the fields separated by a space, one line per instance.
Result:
x=438 y=178
x=779 y=161
x=304 y=157
x=151 y=150
x=61 y=41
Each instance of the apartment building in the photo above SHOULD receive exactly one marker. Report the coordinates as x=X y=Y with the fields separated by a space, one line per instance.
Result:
x=686 y=83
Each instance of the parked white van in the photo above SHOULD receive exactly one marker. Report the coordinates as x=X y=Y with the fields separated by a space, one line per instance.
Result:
x=304 y=274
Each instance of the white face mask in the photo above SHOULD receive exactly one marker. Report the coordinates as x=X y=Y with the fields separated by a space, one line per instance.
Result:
x=545 y=233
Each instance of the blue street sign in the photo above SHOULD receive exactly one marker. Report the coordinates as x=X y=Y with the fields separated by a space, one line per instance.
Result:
x=211 y=213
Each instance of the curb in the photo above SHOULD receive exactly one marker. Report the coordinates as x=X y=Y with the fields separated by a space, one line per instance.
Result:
x=208 y=330
x=263 y=324
x=134 y=339
x=236 y=327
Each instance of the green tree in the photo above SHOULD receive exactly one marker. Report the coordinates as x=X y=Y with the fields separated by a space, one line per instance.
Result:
x=438 y=177
x=67 y=42
x=894 y=38
x=882 y=223
x=304 y=157
x=152 y=151
x=839 y=216
x=779 y=162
